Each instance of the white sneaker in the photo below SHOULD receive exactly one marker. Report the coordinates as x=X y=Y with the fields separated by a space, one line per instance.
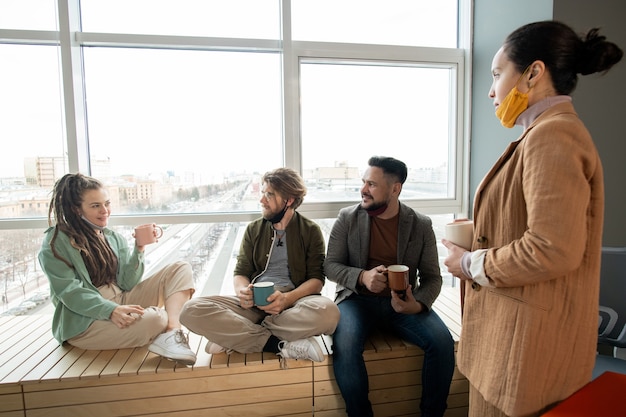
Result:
x=301 y=349
x=213 y=348
x=173 y=345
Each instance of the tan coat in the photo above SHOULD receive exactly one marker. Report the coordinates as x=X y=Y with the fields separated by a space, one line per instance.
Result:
x=530 y=340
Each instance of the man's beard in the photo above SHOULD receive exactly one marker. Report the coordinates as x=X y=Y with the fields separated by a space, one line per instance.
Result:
x=276 y=217
x=376 y=209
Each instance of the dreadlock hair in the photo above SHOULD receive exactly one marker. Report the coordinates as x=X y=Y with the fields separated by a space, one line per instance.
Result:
x=64 y=210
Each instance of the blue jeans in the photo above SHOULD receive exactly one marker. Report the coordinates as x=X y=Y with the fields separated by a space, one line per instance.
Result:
x=359 y=315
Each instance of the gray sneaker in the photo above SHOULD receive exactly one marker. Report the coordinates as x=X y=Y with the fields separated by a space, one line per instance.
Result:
x=173 y=345
x=300 y=349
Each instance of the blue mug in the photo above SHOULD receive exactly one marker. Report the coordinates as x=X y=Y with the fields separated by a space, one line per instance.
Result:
x=262 y=290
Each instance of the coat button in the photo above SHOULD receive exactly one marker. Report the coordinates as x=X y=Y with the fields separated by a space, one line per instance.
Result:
x=476 y=286
x=481 y=239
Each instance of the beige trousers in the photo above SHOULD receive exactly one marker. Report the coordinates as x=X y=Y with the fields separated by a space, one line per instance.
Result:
x=222 y=320
x=151 y=294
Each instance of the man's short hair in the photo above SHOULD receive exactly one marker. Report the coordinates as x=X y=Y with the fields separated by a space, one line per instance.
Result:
x=391 y=167
x=288 y=183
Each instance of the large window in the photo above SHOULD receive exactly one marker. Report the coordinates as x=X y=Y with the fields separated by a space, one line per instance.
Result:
x=389 y=22
x=185 y=119
x=180 y=106
x=188 y=99
x=352 y=110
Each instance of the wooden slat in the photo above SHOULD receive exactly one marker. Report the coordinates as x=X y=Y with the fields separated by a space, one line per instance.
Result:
x=15 y=329
x=98 y=364
x=42 y=367
x=23 y=345
x=205 y=403
x=219 y=360
x=44 y=345
x=166 y=365
x=271 y=359
x=254 y=358
x=150 y=364
x=139 y=383
x=236 y=359
x=379 y=341
x=195 y=393
x=12 y=414
x=383 y=367
x=10 y=398
x=80 y=365
x=447 y=306
x=57 y=395
x=60 y=367
x=134 y=362
x=239 y=411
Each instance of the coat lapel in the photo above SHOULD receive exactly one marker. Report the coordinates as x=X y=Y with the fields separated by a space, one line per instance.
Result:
x=494 y=169
x=363 y=221
x=404 y=228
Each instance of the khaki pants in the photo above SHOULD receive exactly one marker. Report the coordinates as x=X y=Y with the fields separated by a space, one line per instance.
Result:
x=151 y=294
x=222 y=320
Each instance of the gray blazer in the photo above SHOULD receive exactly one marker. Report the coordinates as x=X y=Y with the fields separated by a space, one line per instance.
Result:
x=348 y=248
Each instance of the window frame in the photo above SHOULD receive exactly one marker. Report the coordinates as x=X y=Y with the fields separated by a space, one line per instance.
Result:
x=71 y=40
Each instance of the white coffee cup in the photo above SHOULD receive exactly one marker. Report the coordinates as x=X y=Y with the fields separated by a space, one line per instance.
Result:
x=461 y=233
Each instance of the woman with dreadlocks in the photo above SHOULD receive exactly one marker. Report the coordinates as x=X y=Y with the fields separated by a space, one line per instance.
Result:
x=100 y=299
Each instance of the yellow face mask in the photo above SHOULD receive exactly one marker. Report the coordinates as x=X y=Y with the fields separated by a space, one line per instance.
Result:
x=513 y=104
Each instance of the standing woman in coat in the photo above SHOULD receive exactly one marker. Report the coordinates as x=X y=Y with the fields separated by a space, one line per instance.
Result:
x=532 y=275
x=100 y=299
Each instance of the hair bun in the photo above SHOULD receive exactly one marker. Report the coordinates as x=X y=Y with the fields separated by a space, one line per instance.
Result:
x=596 y=54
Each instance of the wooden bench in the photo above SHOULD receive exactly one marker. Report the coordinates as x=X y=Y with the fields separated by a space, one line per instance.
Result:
x=40 y=378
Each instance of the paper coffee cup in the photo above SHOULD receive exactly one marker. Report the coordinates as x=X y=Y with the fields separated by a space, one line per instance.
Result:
x=461 y=233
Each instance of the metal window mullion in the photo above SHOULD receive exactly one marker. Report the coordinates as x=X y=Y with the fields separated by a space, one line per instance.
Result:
x=72 y=83
x=194 y=43
x=292 y=145
x=28 y=37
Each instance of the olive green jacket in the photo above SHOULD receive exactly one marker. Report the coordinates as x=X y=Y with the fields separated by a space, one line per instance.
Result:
x=306 y=249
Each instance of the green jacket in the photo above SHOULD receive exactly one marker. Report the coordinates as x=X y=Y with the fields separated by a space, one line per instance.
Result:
x=77 y=302
x=305 y=249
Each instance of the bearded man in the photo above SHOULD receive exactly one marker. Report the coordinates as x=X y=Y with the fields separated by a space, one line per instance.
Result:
x=287 y=249
x=365 y=239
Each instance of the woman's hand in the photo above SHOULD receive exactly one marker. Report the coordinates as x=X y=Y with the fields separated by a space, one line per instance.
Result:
x=453 y=261
x=125 y=315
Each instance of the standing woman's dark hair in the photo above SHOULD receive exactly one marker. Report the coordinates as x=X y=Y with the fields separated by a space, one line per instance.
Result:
x=65 y=211
x=564 y=52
